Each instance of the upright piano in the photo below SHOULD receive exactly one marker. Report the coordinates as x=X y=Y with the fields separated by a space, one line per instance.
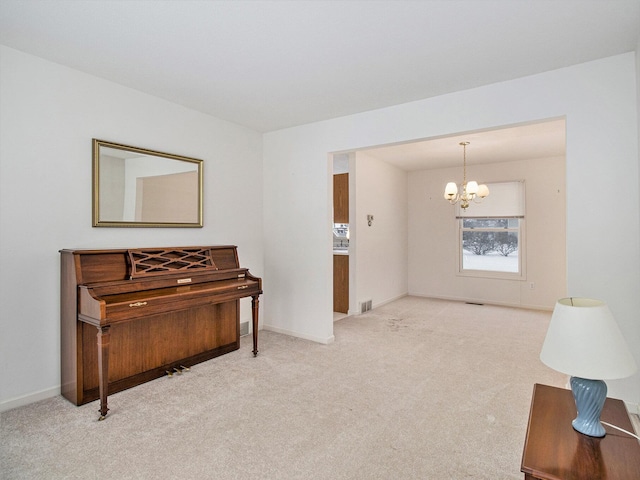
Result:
x=132 y=315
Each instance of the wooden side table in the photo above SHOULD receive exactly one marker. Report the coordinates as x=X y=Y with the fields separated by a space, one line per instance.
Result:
x=553 y=450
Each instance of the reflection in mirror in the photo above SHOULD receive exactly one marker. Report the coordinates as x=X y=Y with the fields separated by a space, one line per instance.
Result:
x=138 y=187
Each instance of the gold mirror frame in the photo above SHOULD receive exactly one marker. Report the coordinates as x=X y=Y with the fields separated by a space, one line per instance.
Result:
x=136 y=187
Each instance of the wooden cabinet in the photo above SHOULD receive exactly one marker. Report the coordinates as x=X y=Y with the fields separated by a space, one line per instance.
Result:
x=341 y=283
x=341 y=198
x=341 y=262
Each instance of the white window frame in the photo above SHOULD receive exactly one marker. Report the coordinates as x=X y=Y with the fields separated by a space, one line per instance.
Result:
x=519 y=275
x=513 y=208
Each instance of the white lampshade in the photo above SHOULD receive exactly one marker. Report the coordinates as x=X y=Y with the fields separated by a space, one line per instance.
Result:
x=583 y=340
x=472 y=187
x=483 y=190
x=450 y=190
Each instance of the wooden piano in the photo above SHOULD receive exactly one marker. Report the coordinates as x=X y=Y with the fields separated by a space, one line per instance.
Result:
x=132 y=315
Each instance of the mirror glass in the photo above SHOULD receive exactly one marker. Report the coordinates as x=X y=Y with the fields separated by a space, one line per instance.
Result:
x=135 y=187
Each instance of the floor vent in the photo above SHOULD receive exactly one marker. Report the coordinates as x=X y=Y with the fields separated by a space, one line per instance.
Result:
x=365 y=306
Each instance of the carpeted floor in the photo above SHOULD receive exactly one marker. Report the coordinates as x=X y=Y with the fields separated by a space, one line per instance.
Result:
x=416 y=389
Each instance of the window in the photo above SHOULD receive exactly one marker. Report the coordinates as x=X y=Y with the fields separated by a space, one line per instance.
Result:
x=491 y=233
x=491 y=244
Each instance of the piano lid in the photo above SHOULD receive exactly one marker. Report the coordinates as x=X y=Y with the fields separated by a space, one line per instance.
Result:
x=148 y=264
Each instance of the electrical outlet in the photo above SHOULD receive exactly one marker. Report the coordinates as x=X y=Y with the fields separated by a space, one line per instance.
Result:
x=532 y=285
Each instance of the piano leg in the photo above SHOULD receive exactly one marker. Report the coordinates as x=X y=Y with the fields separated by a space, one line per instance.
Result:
x=254 y=311
x=103 y=368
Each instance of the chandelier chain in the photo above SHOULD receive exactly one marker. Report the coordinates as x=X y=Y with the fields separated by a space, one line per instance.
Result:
x=464 y=162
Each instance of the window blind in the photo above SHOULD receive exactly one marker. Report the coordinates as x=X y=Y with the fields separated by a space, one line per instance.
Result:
x=506 y=199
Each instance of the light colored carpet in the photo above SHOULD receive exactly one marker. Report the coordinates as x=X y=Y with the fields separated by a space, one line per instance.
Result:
x=416 y=389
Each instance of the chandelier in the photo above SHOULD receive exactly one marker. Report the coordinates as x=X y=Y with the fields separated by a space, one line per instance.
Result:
x=471 y=191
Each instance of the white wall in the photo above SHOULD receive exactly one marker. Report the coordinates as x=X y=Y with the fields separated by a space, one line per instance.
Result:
x=603 y=213
x=638 y=116
x=433 y=236
x=380 y=249
x=49 y=114
x=48 y=117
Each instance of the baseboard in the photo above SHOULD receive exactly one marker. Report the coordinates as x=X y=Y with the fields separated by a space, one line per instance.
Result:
x=30 y=398
x=633 y=408
x=484 y=302
x=284 y=331
x=635 y=422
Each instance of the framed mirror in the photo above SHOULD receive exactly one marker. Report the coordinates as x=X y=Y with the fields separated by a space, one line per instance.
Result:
x=136 y=187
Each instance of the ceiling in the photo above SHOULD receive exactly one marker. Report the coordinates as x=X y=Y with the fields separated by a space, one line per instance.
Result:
x=269 y=65
x=508 y=144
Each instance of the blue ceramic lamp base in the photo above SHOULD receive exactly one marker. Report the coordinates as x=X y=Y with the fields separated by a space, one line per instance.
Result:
x=589 y=396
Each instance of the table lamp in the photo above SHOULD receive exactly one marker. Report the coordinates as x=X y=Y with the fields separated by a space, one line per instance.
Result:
x=584 y=341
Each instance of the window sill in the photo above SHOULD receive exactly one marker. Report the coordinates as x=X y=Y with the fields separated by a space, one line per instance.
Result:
x=493 y=275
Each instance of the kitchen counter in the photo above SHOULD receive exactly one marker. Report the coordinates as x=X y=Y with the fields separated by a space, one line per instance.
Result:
x=340 y=252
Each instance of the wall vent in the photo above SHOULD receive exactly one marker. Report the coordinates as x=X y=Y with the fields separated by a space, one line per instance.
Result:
x=365 y=306
x=244 y=329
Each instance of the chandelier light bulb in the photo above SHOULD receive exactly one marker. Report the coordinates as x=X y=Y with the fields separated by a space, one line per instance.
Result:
x=450 y=191
x=472 y=188
x=483 y=191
